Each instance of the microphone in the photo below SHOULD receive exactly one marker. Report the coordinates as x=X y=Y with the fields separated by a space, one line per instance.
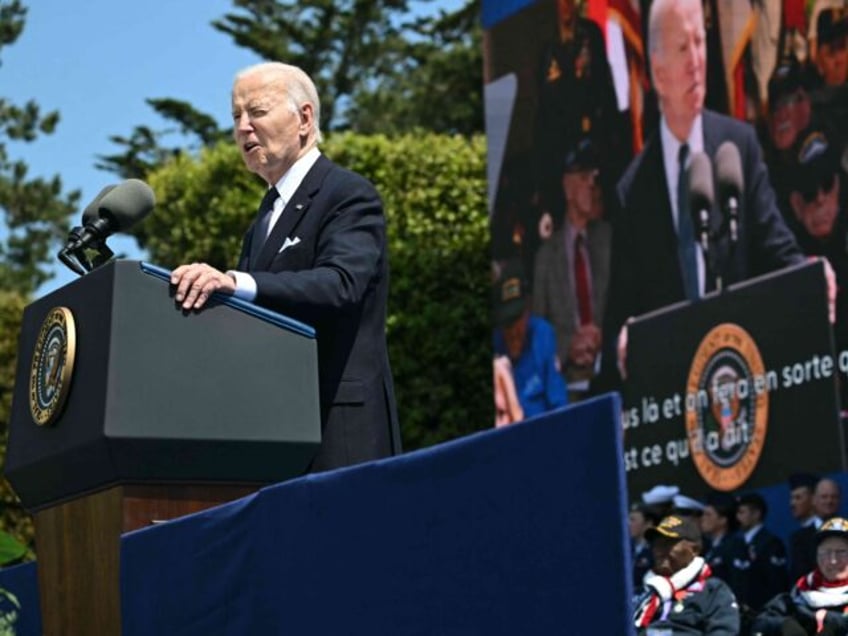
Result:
x=90 y=214
x=731 y=185
x=114 y=209
x=701 y=197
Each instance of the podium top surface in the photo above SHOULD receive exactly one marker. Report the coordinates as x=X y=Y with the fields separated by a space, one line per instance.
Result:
x=242 y=305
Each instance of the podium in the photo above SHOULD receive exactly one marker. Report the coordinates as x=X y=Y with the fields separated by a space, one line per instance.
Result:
x=128 y=411
x=735 y=390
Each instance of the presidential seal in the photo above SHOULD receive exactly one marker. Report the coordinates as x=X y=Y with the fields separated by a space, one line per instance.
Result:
x=726 y=407
x=52 y=365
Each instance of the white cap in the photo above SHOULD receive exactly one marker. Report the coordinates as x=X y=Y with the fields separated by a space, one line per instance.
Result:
x=682 y=502
x=660 y=494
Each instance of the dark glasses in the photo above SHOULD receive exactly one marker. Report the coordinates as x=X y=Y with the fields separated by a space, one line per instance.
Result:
x=823 y=184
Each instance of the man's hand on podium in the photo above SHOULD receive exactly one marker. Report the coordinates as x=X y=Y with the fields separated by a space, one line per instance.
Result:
x=196 y=282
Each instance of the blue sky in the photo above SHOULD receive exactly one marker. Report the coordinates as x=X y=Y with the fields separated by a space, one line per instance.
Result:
x=96 y=62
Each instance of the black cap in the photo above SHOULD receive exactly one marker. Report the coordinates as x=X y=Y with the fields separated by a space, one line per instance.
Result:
x=722 y=502
x=754 y=500
x=581 y=158
x=802 y=480
x=509 y=293
x=831 y=25
x=835 y=527
x=817 y=159
x=786 y=80
x=675 y=527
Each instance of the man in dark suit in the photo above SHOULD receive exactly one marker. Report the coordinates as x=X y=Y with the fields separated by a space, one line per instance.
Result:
x=758 y=570
x=571 y=274
x=316 y=252
x=651 y=265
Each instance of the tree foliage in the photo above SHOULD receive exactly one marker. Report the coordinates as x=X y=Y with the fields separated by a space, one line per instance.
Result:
x=379 y=67
x=35 y=214
x=438 y=327
x=13 y=519
x=34 y=210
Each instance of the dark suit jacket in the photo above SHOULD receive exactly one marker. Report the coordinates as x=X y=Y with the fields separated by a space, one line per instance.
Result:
x=336 y=279
x=802 y=552
x=645 y=268
x=554 y=297
x=758 y=571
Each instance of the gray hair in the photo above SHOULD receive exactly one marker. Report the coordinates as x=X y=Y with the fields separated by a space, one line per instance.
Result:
x=299 y=89
x=655 y=15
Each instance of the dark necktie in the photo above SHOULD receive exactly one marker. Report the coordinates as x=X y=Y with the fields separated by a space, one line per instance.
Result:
x=685 y=229
x=263 y=220
x=581 y=280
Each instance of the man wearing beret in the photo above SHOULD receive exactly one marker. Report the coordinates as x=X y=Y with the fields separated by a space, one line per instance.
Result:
x=681 y=596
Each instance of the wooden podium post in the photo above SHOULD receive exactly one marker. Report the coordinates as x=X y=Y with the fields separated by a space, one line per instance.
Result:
x=128 y=411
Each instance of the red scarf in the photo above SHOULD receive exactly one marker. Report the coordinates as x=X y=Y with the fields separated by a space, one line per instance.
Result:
x=662 y=590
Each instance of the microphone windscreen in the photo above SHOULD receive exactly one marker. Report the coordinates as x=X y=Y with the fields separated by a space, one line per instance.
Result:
x=127 y=203
x=92 y=210
x=729 y=175
x=701 y=183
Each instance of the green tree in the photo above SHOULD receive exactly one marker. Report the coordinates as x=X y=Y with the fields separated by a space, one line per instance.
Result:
x=435 y=82
x=438 y=247
x=35 y=211
x=35 y=214
x=378 y=67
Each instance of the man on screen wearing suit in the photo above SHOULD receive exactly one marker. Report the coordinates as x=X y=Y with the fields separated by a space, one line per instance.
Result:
x=651 y=266
x=572 y=269
x=316 y=252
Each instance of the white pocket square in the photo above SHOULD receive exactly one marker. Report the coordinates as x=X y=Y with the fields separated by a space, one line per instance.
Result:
x=289 y=242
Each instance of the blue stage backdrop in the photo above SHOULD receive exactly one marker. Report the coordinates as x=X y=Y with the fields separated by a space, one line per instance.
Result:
x=518 y=530
x=514 y=531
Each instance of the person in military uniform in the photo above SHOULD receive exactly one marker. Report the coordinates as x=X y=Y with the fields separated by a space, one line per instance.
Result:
x=718 y=524
x=576 y=98
x=818 y=602
x=816 y=198
x=758 y=569
x=680 y=595
x=802 y=552
x=789 y=114
x=639 y=520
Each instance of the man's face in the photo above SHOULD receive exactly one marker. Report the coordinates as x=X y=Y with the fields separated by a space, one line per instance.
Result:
x=269 y=133
x=801 y=502
x=788 y=117
x=747 y=516
x=832 y=558
x=833 y=61
x=672 y=555
x=818 y=208
x=679 y=65
x=582 y=195
x=826 y=499
x=636 y=524
x=567 y=13
x=712 y=522
x=514 y=335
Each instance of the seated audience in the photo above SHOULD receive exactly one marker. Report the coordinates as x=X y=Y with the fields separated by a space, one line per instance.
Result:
x=802 y=552
x=818 y=602
x=718 y=524
x=680 y=595
x=641 y=518
x=758 y=570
